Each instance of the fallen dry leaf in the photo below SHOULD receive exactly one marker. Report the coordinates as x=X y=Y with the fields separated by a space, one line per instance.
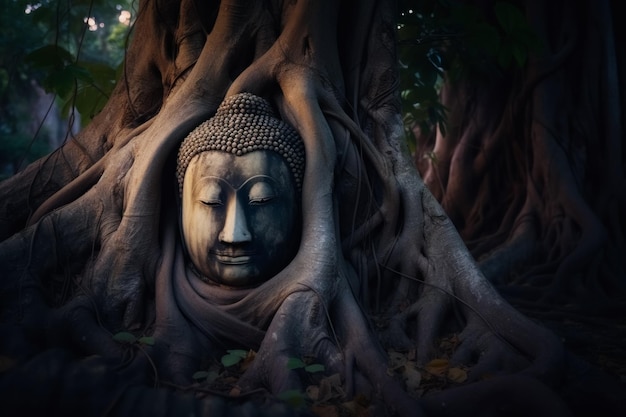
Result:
x=313 y=392
x=396 y=359
x=412 y=377
x=330 y=387
x=437 y=367
x=457 y=375
x=247 y=361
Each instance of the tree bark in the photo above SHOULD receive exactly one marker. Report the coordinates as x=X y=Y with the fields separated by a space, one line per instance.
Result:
x=536 y=188
x=91 y=247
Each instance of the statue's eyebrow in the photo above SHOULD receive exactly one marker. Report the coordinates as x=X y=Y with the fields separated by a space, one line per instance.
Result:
x=222 y=181
x=210 y=179
x=257 y=178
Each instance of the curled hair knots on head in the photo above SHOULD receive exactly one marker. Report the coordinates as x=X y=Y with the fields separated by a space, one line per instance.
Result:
x=242 y=124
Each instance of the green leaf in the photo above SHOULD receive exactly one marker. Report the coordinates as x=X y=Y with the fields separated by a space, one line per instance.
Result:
x=200 y=375
x=124 y=337
x=79 y=72
x=238 y=352
x=295 y=363
x=208 y=376
x=60 y=82
x=510 y=17
x=436 y=59
x=147 y=340
x=231 y=359
x=67 y=107
x=102 y=74
x=49 y=56
x=89 y=102
x=314 y=368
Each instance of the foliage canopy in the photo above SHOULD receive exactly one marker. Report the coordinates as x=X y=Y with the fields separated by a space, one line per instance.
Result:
x=75 y=51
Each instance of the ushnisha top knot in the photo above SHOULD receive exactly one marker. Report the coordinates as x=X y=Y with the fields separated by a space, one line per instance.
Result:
x=242 y=124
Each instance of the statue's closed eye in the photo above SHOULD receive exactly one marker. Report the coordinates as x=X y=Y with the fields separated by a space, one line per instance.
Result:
x=211 y=195
x=212 y=202
x=261 y=193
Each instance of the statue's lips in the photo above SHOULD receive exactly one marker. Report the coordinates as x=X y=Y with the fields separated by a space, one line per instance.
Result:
x=235 y=258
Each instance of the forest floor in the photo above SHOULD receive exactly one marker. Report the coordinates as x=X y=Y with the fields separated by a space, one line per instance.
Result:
x=597 y=388
x=602 y=345
x=597 y=337
x=324 y=395
x=597 y=376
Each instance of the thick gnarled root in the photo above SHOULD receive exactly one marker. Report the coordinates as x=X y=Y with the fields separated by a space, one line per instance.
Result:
x=494 y=339
x=335 y=334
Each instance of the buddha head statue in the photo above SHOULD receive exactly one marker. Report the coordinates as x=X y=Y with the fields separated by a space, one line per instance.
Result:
x=240 y=177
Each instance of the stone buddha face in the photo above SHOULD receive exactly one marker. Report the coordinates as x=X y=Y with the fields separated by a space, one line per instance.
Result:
x=240 y=216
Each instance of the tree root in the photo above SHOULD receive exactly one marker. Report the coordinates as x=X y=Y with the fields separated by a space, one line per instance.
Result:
x=403 y=252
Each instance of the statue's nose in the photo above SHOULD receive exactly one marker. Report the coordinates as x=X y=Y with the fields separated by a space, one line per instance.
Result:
x=235 y=228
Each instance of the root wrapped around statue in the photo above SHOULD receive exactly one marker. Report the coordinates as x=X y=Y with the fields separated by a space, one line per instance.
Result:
x=289 y=222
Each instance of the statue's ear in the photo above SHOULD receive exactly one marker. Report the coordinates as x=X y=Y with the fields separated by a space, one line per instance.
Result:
x=179 y=216
x=172 y=204
x=172 y=200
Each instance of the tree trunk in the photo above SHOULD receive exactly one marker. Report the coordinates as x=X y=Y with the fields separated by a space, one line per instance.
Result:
x=531 y=171
x=95 y=295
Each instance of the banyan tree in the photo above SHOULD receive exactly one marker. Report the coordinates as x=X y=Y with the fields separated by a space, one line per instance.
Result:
x=99 y=313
